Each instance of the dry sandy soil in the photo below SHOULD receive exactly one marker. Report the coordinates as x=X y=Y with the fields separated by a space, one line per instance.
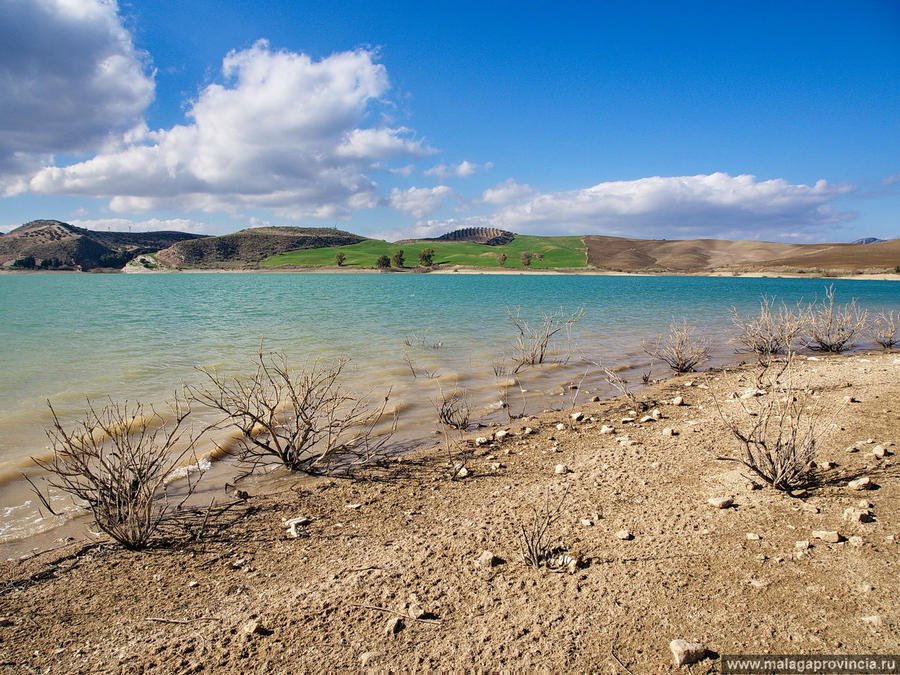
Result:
x=404 y=539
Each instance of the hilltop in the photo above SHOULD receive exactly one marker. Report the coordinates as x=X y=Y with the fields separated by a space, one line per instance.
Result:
x=52 y=244
x=252 y=246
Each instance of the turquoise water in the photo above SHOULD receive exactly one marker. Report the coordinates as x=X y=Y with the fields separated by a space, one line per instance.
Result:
x=67 y=337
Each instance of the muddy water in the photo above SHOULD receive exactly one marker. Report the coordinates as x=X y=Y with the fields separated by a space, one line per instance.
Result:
x=73 y=338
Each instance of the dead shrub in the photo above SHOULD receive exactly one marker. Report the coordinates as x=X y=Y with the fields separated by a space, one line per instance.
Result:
x=118 y=460
x=832 y=327
x=536 y=544
x=771 y=332
x=883 y=329
x=680 y=349
x=533 y=342
x=779 y=434
x=453 y=409
x=300 y=417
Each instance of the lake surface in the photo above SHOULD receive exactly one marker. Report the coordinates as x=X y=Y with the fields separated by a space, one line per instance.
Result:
x=71 y=337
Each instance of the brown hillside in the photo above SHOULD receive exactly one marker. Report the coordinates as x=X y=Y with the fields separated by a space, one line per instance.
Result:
x=252 y=245
x=704 y=255
x=57 y=245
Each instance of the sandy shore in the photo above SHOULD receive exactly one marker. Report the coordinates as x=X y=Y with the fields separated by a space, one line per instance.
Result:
x=404 y=539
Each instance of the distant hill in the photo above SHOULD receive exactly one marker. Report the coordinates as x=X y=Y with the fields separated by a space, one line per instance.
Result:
x=705 y=255
x=52 y=244
x=251 y=246
x=867 y=240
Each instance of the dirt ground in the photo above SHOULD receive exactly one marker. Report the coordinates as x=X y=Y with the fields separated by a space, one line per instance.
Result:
x=387 y=573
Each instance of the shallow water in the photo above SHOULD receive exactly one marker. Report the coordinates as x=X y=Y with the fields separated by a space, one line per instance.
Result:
x=68 y=337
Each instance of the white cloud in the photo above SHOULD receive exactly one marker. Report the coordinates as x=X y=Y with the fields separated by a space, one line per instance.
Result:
x=419 y=202
x=507 y=192
x=404 y=171
x=149 y=225
x=704 y=205
x=283 y=133
x=463 y=169
x=71 y=80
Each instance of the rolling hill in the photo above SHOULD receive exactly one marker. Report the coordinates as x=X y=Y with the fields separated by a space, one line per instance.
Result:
x=252 y=246
x=52 y=244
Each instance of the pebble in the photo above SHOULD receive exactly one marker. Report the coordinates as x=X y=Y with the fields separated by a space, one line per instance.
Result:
x=828 y=536
x=595 y=399
x=857 y=515
x=627 y=420
x=720 y=502
x=256 y=628
x=856 y=541
x=487 y=559
x=500 y=435
x=577 y=416
x=606 y=429
x=5 y=621
x=193 y=584
x=801 y=545
x=462 y=473
x=863 y=504
x=864 y=483
x=527 y=431
x=353 y=506
x=496 y=466
x=655 y=414
x=879 y=451
x=624 y=535
x=678 y=400
x=874 y=620
x=669 y=431
x=758 y=583
x=686 y=652
x=294 y=523
x=647 y=418
x=752 y=536
x=366 y=658
x=393 y=626
x=561 y=469
x=586 y=522
x=481 y=440
x=560 y=427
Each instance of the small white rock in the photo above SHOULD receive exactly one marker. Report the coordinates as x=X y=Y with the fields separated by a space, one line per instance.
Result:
x=463 y=472
x=577 y=416
x=561 y=469
x=481 y=440
x=752 y=536
x=606 y=429
x=487 y=559
x=856 y=541
x=586 y=522
x=686 y=652
x=624 y=535
x=829 y=536
x=720 y=502
x=864 y=483
x=678 y=400
x=801 y=545
x=501 y=435
x=560 y=427
x=669 y=431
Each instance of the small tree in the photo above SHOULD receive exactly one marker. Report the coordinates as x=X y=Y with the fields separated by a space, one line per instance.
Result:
x=397 y=258
x=117 y=459
x=771 y=332
x=383 y=262
x=501 y=259
x=300 y=417
x=680 y=348
x=426 y=257
x=526 y=258
x=339 y=258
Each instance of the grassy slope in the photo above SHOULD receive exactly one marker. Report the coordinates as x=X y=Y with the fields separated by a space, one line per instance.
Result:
x=557 y=252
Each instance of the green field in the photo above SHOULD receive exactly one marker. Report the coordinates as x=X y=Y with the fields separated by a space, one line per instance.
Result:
x=556 y=252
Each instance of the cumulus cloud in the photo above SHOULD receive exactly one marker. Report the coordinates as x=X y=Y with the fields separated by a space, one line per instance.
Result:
x=705 y=205
x=507 y=192
x=419 y=202
x=148 y=225
x=282 y=132
x=463 y=169
x=71 y=81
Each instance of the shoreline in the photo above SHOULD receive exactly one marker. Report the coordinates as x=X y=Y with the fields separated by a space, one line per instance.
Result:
x=403 y=535
x=463 y=270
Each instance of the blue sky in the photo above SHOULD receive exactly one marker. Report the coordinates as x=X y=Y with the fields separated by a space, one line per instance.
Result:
x=774 y=121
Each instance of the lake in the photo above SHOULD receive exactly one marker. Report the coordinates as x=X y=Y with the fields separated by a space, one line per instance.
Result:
x=71 y=337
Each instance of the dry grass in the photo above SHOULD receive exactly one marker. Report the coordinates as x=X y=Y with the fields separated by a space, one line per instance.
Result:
x=536 y=543
x=302 y=418
x=117 y=460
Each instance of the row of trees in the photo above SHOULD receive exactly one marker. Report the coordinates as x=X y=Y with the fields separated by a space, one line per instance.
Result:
x=426 y=259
